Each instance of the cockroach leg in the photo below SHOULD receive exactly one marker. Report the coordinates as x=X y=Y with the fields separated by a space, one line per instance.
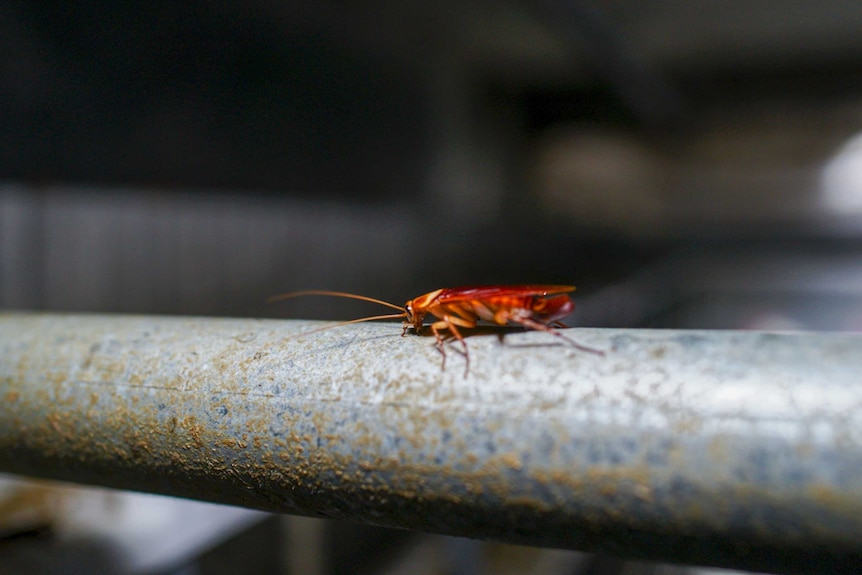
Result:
x=451 y=323
x=523 y=318
x=439 y=341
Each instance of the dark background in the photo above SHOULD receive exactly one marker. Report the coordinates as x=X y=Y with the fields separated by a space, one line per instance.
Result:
x=197 y=158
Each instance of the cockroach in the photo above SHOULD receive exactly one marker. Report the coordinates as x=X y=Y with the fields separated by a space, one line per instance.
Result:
x=536 y=307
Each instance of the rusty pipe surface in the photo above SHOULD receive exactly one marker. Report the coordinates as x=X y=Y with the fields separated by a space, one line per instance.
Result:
x=724 y=448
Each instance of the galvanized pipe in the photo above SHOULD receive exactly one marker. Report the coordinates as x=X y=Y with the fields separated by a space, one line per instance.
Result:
x=722 y=448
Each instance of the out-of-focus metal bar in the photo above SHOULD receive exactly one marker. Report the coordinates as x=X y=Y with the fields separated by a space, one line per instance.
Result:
x=723 y=448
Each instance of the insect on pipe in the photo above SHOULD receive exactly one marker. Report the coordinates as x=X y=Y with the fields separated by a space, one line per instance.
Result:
x=536 y=307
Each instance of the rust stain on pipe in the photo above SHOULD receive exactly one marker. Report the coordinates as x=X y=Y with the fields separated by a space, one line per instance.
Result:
x=726 y=448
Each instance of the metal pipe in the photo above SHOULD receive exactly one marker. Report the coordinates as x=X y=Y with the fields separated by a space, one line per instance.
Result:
x=722 y=448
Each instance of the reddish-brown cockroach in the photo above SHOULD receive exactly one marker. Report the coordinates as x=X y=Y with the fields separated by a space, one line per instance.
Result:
x=537 y=307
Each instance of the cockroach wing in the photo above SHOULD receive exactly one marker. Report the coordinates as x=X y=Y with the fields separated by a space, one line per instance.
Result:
x=452 y=295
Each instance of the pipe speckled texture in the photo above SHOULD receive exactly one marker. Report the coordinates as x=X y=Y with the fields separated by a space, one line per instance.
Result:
x=723 y=448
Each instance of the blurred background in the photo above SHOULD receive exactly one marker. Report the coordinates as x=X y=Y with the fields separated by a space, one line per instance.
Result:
x=687 y=164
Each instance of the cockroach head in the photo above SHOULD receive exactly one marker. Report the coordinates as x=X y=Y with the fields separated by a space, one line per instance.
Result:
x=416 y=308
x=411 y=317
